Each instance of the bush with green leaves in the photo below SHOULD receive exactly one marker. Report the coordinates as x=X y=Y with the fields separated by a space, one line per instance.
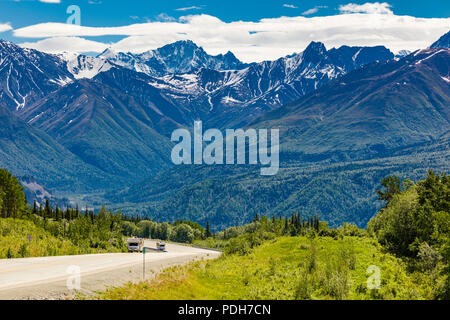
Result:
x=415 y=223
x=182 y=233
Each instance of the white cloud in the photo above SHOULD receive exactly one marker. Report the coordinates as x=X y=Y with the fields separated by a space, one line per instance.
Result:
x=50 y=1
x=371 y=8
x=163 y=17
x=69 y=44
x=5 y=27
x=313 y=10
x=310 y=11
x=290 y=6
x=189 y=8
x=254 y=41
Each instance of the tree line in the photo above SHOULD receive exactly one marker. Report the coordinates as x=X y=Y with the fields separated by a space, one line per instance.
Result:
x=415 y=224
x=86 y=228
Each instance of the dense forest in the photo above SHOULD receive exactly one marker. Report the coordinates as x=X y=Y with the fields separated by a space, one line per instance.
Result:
x=74 y=230
x=343 y=191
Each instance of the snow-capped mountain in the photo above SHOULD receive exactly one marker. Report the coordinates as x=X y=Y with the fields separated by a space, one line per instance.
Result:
x=82 y=66
x=27 y=75
x=120 y=111
x=235 y=96
x=379 y=107
x=103 y=126
x=220 y=89
x=393 y=117
x=402 y=53
x=178 y=57
x=92 y=124
x=443 y=42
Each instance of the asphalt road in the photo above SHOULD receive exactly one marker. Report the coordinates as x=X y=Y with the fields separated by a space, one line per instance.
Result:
x=62 y=277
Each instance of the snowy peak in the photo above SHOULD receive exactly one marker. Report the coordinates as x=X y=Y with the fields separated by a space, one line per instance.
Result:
x=443 y=42
x=108 y=54
x=81 y=66
x=175 y=58
x=402 y=53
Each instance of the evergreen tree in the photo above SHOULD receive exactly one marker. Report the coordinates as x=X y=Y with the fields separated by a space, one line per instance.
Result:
x=286 y=226
x=12 y=198
x=48 y=210
x=35 y=210
x=208 y=230
x=67 y=213
x=392 y=185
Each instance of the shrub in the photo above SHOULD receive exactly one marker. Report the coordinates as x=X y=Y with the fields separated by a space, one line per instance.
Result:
x=238 y=246
x=304 y=288
x=311 y=262
x=428 y=257
x=23 y=250
x=336 y=280
x=9 y=253
x=182 y=233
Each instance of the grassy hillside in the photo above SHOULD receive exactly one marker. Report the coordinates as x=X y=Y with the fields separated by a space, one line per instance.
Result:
x=287 y=268
x=14 y=243
x=403 y=254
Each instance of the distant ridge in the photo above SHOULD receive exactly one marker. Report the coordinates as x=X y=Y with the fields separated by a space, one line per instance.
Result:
x=443 y=42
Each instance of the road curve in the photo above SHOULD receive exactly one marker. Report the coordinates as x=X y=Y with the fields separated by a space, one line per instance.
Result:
x=49 y=277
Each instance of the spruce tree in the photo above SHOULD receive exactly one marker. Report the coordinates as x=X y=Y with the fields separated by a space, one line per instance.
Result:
x=35 y=210
x=208 y=230
x=48 y=210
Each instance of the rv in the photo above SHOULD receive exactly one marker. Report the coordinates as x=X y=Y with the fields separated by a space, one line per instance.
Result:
x=161 y=246
x=135 y=244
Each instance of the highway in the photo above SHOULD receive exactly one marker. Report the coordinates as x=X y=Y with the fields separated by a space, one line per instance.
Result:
x=62 y=277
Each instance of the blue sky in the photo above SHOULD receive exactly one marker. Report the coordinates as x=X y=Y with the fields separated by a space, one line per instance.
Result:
x=386 y=20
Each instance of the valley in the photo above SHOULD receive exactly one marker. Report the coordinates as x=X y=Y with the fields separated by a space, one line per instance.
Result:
x=96 y=130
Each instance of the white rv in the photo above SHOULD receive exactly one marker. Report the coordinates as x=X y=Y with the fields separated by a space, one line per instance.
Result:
x=161 y=246
x=135 y=244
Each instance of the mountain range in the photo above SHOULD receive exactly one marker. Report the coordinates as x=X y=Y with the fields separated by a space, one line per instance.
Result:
x=337 y=143
x=175 y=58
x=114 y=117
x=375 y=108
x=82 y=125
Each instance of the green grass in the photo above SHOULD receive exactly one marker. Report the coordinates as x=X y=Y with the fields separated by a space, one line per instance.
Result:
x=286 y=268
x=14 y=243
